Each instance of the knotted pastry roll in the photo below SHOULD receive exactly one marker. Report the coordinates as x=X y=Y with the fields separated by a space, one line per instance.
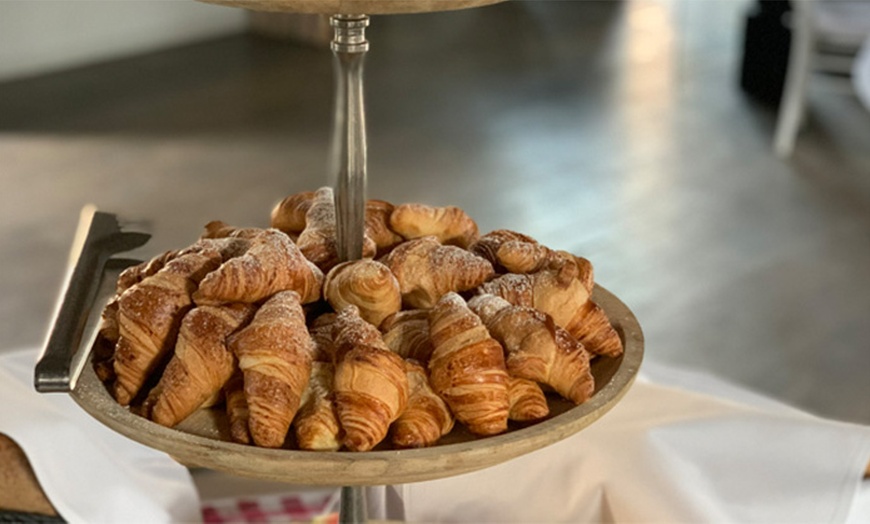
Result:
x=467 y=367
x=371 y=388
x=537 y=349
x=407 y=334
x=318 y=241
x=316 y=424
x=450 y=225
x=527 y=400
x=367 y=284
x=378 y=226
x=149 y=315
x=272 y=264
x=426 y=270
x=289 y=214
x=426 y=417
x=275 y=353
x=201 y=364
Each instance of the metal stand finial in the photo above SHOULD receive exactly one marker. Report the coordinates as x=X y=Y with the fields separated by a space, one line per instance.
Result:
x=349 y=46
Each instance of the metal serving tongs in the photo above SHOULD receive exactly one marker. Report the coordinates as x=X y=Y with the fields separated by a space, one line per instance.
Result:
x=97 y=239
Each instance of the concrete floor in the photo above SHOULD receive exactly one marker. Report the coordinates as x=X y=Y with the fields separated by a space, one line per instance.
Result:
x=612 y=129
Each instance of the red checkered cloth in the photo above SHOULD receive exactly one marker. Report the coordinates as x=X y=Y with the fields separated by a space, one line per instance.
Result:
x=313 y=508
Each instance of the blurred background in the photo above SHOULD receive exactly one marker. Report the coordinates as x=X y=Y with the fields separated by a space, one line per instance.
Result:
x=637 y=133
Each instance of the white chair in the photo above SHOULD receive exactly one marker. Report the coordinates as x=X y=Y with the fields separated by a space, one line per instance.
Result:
x=826 y=35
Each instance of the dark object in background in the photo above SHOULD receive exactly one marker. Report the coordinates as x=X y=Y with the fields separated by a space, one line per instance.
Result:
x=766 y=45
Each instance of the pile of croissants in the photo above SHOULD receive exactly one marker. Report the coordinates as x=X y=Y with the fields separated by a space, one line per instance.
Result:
x=436 y=325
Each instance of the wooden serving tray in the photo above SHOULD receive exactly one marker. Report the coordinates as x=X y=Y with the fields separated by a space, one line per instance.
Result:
x=203 y=440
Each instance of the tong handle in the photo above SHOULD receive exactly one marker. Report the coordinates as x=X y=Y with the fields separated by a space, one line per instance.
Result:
x=97 y=238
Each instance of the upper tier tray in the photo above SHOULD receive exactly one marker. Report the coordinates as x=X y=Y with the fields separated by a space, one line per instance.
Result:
x=353 y=7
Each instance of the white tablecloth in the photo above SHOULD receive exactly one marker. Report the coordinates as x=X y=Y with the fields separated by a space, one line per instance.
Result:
x=693 y=450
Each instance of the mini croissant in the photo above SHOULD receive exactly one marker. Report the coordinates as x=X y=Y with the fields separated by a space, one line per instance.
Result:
x=514 y=252
x=367 y=284
x=426 y=270
x=467 y=367
x=371 y=388
x=316 y=424
x=149 y=316
x=201 y=365
x=527 y=399
x=378 y=226
x=426 y=418
x=289 y=214
x=537 y=349
x=450 y=225
x=272 y=264
x=275 y=353
x=407 y=334
x=318 y=241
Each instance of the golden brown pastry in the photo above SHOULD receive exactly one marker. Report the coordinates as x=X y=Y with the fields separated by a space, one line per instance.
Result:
x=371 y=388
x=135 y=274
x=378 y=226
x=272 y=264
x=275 y=353
x=467 y=367
x=149 y=315
x=108 y=334
x=450 y=225
x=321 y=334
x=218 y=229
x=407 y=334
x=289 y=214
x=591 y=327
x=201 y=364
x=237 y=408
x=528 y=402
x=426 y=417
x=316 y=424
x=511 y=251
x=318 y=241
x=367 y=284
x=426 y=270
x=537 y=349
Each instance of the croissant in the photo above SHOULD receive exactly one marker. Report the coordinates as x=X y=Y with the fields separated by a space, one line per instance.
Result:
x=545 y=290
x=321 y=335
x=275 y=353
x=514 y=252
x=201 y=365
x=378 y=226
x=289 y=214
x=537 y=349
x=107 y=340
x=450 y=225
x=467 y=367
x=426 y=270
x=238 y=413
x=371 y=388
x=318 y=241
x=527 y=400
x=149 y=315
x=316 y=424
x=406 y=333
x=593 y=329
x=135 y=274
x=426 y=417
x=367 y=284
x=273 y=263
x=218 y=229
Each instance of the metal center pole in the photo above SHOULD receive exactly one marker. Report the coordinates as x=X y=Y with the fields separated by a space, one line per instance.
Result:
x=349 y=46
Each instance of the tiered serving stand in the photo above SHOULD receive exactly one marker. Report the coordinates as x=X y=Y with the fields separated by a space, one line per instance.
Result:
x=203 y=439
